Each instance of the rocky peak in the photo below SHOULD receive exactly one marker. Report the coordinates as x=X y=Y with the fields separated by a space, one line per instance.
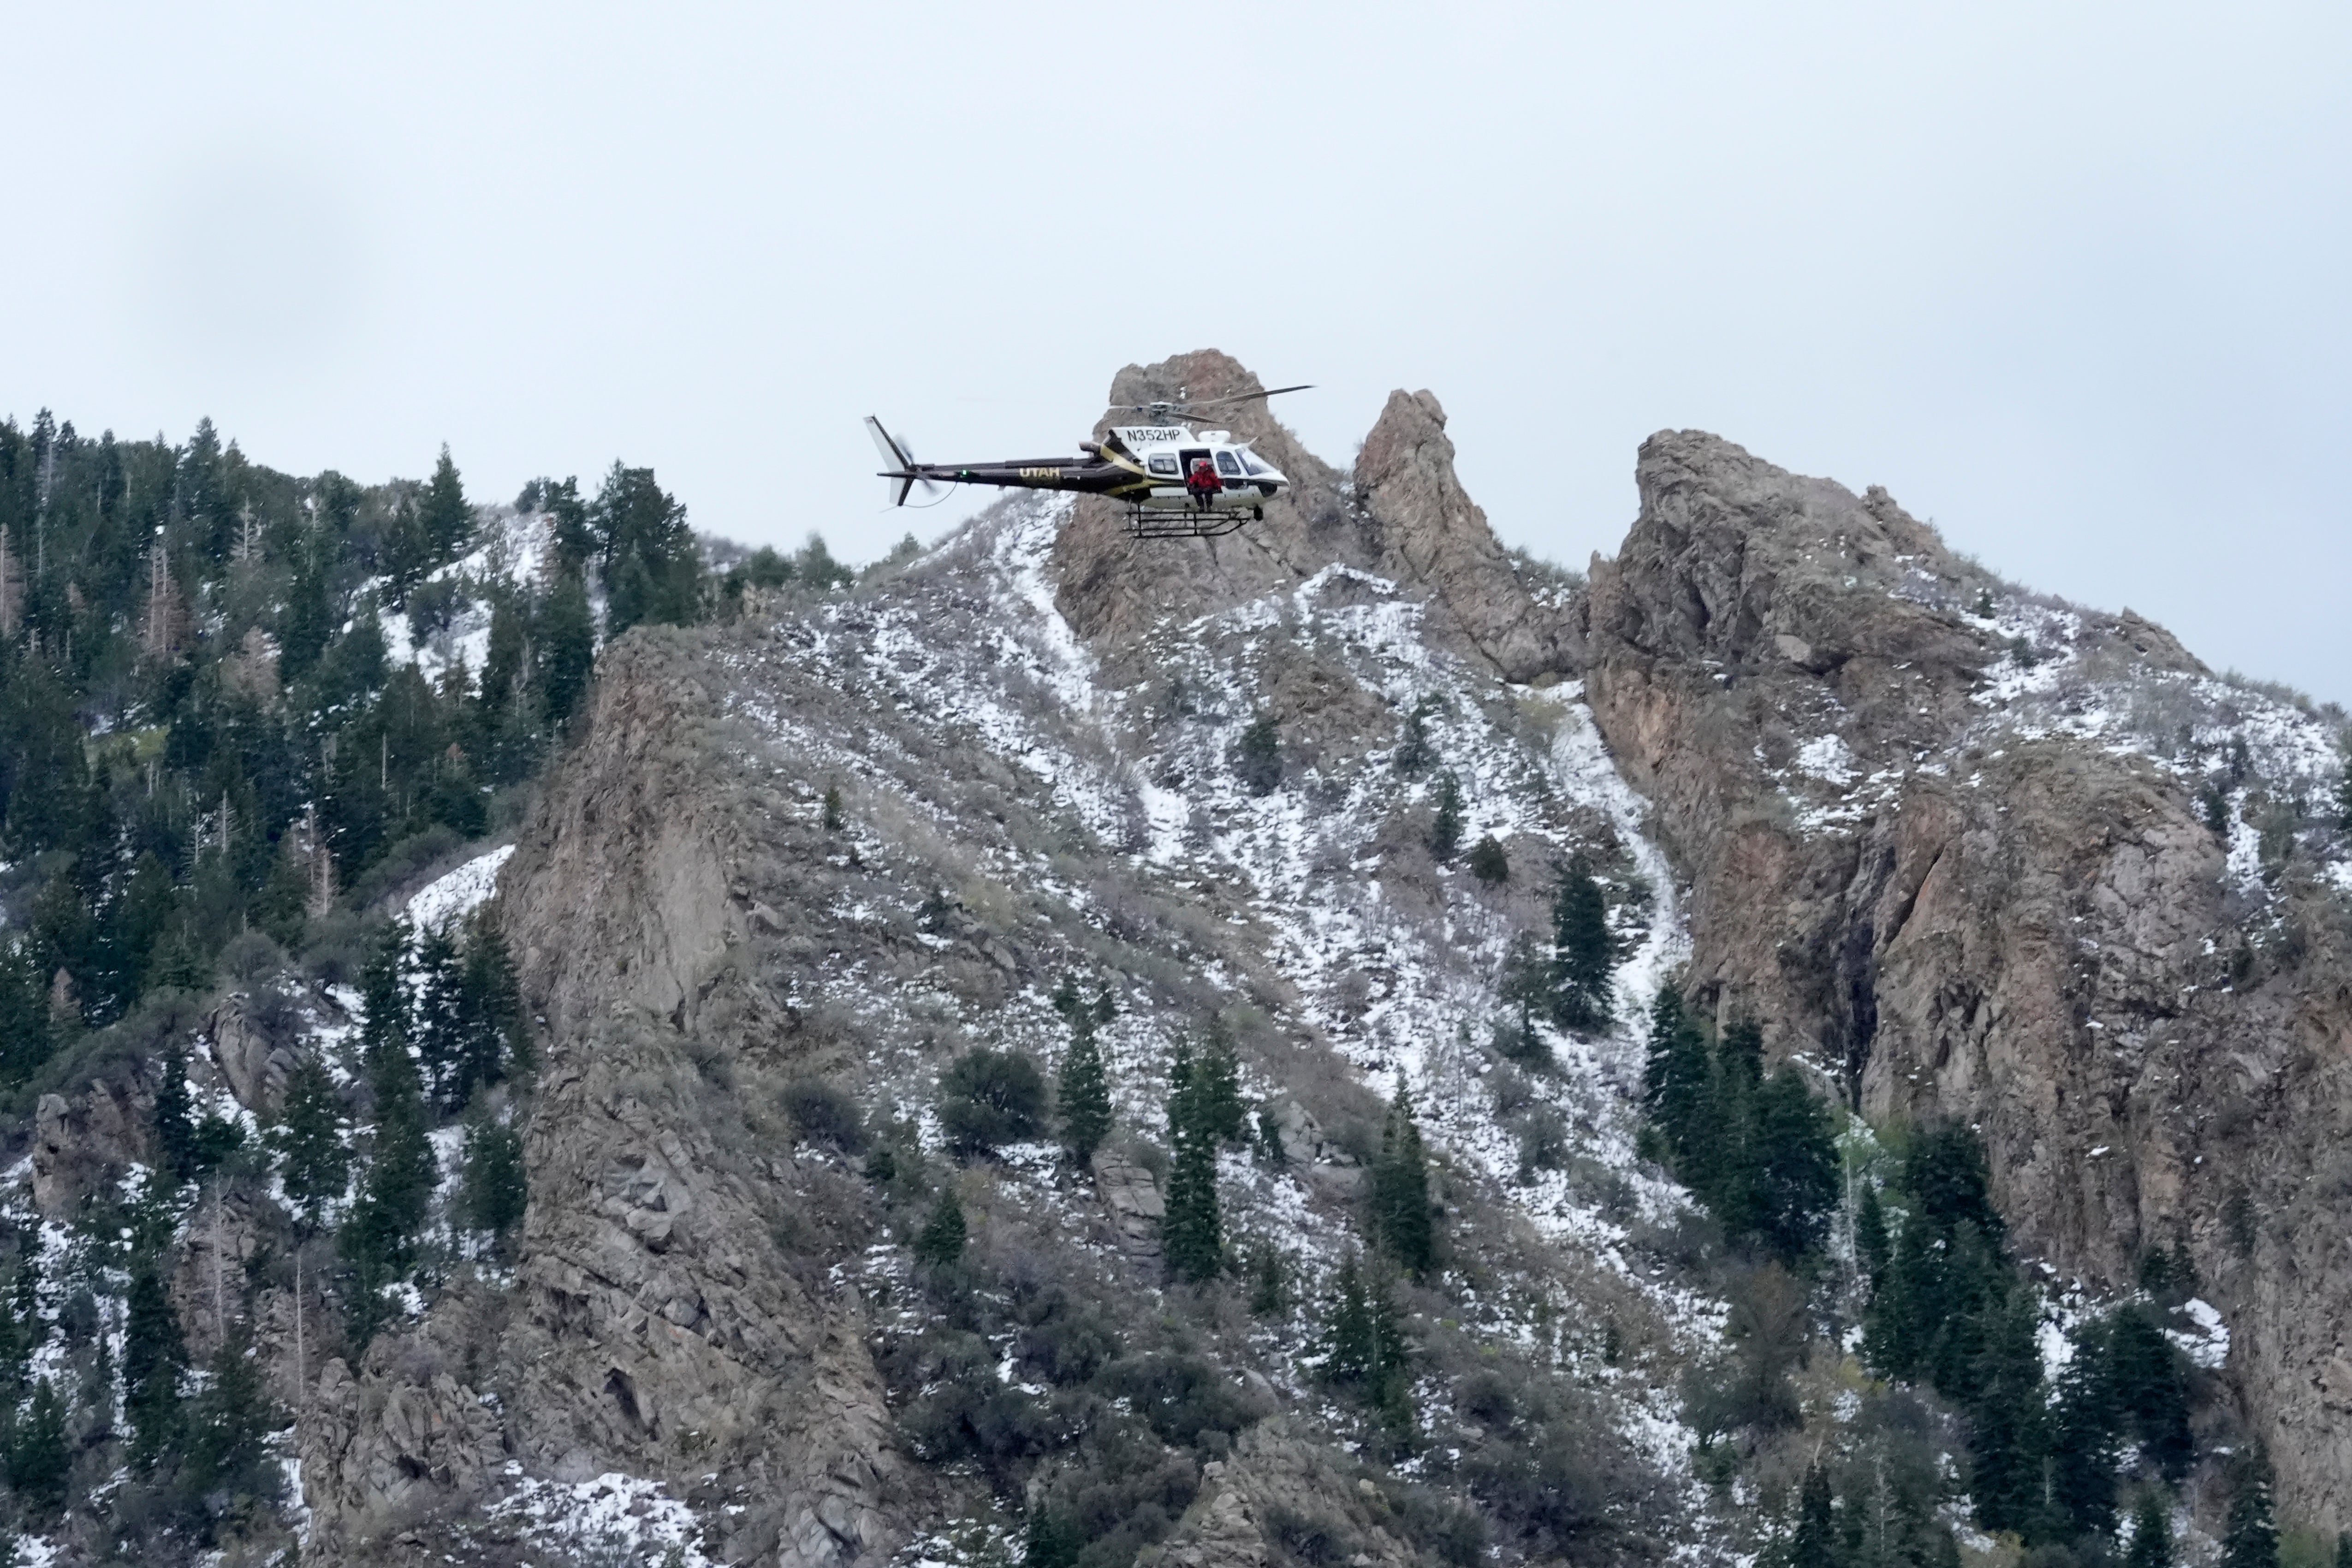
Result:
x=1736 y=561
x=1432 y=539
x=1958 y=845
x=1402 y=515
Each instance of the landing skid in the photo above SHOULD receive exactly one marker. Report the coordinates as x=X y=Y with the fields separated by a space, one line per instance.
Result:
x=1144 y=523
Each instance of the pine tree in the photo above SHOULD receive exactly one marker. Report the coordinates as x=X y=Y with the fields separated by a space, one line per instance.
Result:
x=443 y=518
x=2006 y=1434
x=1258 y=756
x=2152 y=1542
x=1352 y=1351
x=1946 y=1173
x=1675 y=1078
x=435 y=1018
x=492 y=1038
x=384 y=1023
x=401 y=1173
x=38 y=1457
x=174 y=1117
x=653 y=569
x=2080 y=1483
x=1192 y=1229
x=1445 y=825
x=407 y=553
x=1583 y=953
x=1217 y=1086
x=1814 y=1542
x=21 y=1327
x=567 y=649
x=505 y=713
x=1792 y=1179
x=1489 y=861
x=1083 y=1094
x=228 y=1426
x=314 y=1166
x=941 y=1243
x=153 y=1355
x=26 y=1038
x=1413 y=752
x=1972 y=1287
x=1400 y=1191
x=1054 y=1541
x=2343 y=1551
x=1269 y=1282
x=379 y=1240
x=1870 y=1241
x=1525 y=987
x=307 y=617
x=829 y=816
x=2151 y=1381
x=497 y=1188
x=1364 y=1344
x=2250 y=1540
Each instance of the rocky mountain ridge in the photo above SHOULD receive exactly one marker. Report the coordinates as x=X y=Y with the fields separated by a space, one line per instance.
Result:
x=1962 y=851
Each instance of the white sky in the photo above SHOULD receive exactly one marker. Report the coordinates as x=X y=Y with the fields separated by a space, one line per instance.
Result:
x=2071 y=279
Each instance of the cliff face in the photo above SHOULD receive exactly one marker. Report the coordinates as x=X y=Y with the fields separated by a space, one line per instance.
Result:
x=1945 y=838
x=655 y=1324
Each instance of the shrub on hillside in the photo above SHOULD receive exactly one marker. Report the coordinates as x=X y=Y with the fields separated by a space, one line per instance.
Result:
x=1257 y=757
x=824 y=1114
x=989 y=1099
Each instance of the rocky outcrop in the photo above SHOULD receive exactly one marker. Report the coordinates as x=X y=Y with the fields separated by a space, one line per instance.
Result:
x=1429 y=536
x=1131 y=1199
x=1282 y=1498
x=1402 y=514
x=377 y=1452
x=1961 y=915
x=619 y=897
x=256 y=1067
x=79 y=1142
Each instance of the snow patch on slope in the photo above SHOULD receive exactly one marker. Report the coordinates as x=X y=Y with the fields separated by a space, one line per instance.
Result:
x=457 y=894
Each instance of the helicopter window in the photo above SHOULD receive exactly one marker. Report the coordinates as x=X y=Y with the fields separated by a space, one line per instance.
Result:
x=1164 y=465
x=1250 y=462
x=1229 y=464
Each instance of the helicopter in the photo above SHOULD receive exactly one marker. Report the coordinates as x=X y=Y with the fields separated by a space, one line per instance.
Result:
x=1178 y=483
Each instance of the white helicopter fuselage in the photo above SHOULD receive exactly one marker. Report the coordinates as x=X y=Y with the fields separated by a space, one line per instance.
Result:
x=1246 y=481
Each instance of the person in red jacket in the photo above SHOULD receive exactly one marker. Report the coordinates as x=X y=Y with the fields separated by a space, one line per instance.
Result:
x=1202 y=481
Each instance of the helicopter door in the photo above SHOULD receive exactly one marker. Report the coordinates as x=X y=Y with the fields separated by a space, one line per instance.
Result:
x=1186 y=456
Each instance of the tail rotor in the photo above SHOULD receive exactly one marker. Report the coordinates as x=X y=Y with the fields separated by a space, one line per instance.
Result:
x=901 y=473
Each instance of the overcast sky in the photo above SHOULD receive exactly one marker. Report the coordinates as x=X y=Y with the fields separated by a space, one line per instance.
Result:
x=2072 y=280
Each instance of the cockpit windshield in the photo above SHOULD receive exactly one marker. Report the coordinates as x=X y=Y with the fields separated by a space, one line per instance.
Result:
x=1251 y=462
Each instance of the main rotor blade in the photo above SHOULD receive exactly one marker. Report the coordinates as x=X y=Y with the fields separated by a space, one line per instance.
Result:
x=1180 y=405
x=1250 y=396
